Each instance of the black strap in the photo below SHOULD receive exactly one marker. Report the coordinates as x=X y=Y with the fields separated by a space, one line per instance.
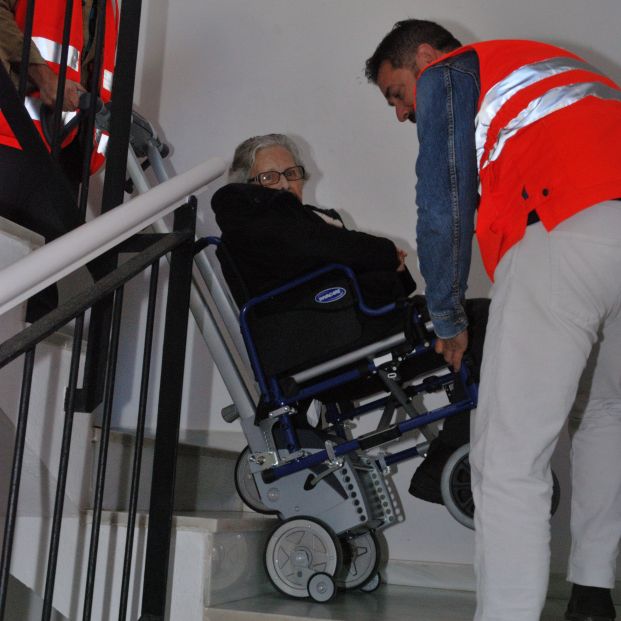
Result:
x=121 y=107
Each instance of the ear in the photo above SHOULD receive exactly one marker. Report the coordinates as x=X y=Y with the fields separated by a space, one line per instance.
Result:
x=426 y=54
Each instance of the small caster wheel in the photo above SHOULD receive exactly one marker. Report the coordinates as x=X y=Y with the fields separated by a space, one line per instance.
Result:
x=321 y=587
x=372 y=584
x=361 y=558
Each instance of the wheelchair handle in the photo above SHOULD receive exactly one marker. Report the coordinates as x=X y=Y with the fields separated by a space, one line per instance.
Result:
x=101 y=119
x=415 y=329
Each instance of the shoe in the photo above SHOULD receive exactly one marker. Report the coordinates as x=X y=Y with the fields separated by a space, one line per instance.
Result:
x=426 y=480
x=590 y=604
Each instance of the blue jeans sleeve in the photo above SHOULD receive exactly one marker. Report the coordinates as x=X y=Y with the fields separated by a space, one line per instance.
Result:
x=446 y=190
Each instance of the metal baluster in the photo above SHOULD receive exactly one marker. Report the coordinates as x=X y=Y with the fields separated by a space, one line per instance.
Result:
x=168 y=417
x=16 y=470
x=62 y=469
x=62 y=78
x=103 y=451
x=114 y=183
x=142 y=410
x=90 y=118
x=23 y=68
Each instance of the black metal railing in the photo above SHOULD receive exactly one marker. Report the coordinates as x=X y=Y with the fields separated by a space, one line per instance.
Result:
x=114 y=185
x=180 y=245
x=67 y=191
x=67 y=178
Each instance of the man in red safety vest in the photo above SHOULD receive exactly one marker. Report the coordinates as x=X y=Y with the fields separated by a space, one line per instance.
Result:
x=23 y=196
x=525 y=136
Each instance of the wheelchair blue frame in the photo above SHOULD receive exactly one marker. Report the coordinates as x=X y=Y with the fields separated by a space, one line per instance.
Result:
x=272 y=394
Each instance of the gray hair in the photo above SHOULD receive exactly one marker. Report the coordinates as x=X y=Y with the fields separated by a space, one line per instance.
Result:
x=245 y=154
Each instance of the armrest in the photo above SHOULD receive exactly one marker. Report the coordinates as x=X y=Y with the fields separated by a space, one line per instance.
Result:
x=302 y=280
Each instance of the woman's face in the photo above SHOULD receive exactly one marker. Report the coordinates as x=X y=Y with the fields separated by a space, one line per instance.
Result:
x=277 y=158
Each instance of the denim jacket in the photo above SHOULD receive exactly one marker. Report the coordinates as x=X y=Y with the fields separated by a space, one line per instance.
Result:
x=446 y=189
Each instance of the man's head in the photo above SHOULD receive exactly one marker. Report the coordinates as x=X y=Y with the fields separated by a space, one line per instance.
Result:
x=401 y=56
x=272 y=160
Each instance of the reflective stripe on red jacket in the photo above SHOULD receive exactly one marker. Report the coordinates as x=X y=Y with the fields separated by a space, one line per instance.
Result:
x=548 y=139
x=47 y=35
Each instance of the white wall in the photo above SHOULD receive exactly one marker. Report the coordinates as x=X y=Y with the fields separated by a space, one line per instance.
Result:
x=214 y=72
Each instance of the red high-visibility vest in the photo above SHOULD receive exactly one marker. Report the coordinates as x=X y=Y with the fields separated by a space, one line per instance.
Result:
x=548 y=139
x=47 y=35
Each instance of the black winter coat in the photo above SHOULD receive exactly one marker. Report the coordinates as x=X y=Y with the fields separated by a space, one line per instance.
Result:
x=274 y=238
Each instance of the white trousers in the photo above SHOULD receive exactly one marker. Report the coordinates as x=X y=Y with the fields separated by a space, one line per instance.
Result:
x=555 y=324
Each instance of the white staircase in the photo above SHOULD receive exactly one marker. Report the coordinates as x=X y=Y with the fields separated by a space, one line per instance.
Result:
x=204 y=477
x=217 y=547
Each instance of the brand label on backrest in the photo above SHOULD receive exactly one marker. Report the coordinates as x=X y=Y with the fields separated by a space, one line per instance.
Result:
x=330 y=295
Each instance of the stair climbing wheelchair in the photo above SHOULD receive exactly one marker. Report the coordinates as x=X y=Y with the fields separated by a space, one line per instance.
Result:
x=314 y=343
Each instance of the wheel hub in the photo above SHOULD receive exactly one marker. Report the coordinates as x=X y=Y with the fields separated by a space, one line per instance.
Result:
x=301 y=558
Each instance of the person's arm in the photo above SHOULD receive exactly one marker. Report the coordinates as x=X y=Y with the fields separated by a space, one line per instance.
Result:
x=11 y=37
x=306 y=238
x=277 y=223
x=11 y=43
x=446 y=193
x=47 y=83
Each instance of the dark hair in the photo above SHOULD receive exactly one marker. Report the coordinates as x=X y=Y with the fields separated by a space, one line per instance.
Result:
x=400 y=44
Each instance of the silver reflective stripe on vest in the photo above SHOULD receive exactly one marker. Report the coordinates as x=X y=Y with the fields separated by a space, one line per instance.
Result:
x=107 y=80
x=67 y=116
x=51 y=51
x=101 y=140
x=33 y=107
x=519 y=79
x=555 y=99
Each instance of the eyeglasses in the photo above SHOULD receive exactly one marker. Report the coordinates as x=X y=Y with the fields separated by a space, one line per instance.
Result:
x=272 y=177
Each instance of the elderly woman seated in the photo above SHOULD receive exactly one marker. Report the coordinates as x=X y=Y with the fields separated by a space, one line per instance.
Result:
x=275 y=237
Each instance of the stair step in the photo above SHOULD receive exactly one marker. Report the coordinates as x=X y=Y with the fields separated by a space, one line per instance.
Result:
x=23 y=604
x=388 y=603
x=205 y=471
x=216 y=556
x=382 y=604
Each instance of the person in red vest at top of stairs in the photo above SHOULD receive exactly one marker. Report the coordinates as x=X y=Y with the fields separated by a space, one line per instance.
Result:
x=24 y=197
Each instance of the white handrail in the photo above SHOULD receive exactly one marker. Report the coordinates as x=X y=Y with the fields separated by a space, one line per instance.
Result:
x=51 y=262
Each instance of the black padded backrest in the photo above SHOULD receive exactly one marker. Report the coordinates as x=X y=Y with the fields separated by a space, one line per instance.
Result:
x=307 y=325
x=310 y=324
x=301 y=327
